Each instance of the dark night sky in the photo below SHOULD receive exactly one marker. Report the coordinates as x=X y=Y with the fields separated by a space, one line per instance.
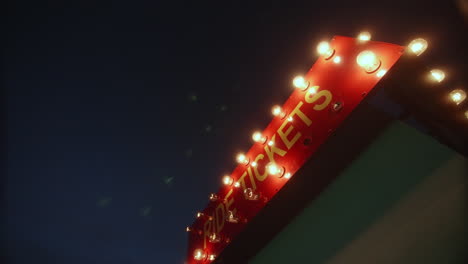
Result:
x=122 y=116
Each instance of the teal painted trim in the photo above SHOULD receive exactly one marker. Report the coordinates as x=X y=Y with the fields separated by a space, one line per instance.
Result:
x=396 y=162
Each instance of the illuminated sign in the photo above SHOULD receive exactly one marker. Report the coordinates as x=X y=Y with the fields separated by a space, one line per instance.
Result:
x=340 y=79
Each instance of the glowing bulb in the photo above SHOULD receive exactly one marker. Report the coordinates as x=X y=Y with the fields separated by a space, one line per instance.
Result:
x=368 y=61
x=278 y=111
x=300 y=83
x=274 y=169
x=237 y=184
x=199 y=254
x=364 y=36
x=242 y=159
x=227 y=180
x=418 y=46
x=337 y=59
x=437 y=75
x=381 y=73
x=312 y=90
x=213 y=197
x=457 y=96
x=271 y=143
x=188 y=229
x=324 y=49
x=287 y=175
x=258 y=137
x=254 y=164
x=290 y=119
x=212 y=257
x=199 y=214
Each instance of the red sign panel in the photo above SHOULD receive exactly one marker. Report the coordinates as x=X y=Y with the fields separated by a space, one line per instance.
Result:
x=336 y=85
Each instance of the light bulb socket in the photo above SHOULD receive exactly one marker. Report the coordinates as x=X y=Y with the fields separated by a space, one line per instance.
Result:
x=214 y=238
x=332 y=53
x=213 y=197
x=231 y=218
x=250 y=195
x=280 y=174
x=337 y=106
x=378 y=67
x=305 y=87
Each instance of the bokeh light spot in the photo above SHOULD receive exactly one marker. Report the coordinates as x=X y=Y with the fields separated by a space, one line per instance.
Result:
x=104 y=201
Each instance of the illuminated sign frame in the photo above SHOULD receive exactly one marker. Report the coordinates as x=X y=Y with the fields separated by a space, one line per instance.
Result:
x=346 y=72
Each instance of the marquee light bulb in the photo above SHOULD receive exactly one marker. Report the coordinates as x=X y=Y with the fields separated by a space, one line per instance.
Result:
x=259 y=137
x=337 y=59
x=199 y=214
x=275 y=169
x=278 y=111
x=418 y=46
x=237 y=184
x=212 y=257
x=324 y=49
x=364 y=36
x=368 y=61
x=457 y=96
x=242 y=159
x=313 y=89
x=287 y=175
x=199 y=254
x=437 y=75
x=271 y=143
x=227 y=180
x=300 y=83
x=381 y=73
x=188 y=229
x=254 y=164
x=290 y=119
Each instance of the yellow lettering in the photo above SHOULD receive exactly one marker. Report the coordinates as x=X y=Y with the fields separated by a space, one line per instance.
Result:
x=252 y=180
x=213 y=225
x=271 y=151
x=228 y=202
x=284 y=135
x=220 y=217
x=206 y=231
x=297 y=111
x=260 y=177
x=312 y=98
